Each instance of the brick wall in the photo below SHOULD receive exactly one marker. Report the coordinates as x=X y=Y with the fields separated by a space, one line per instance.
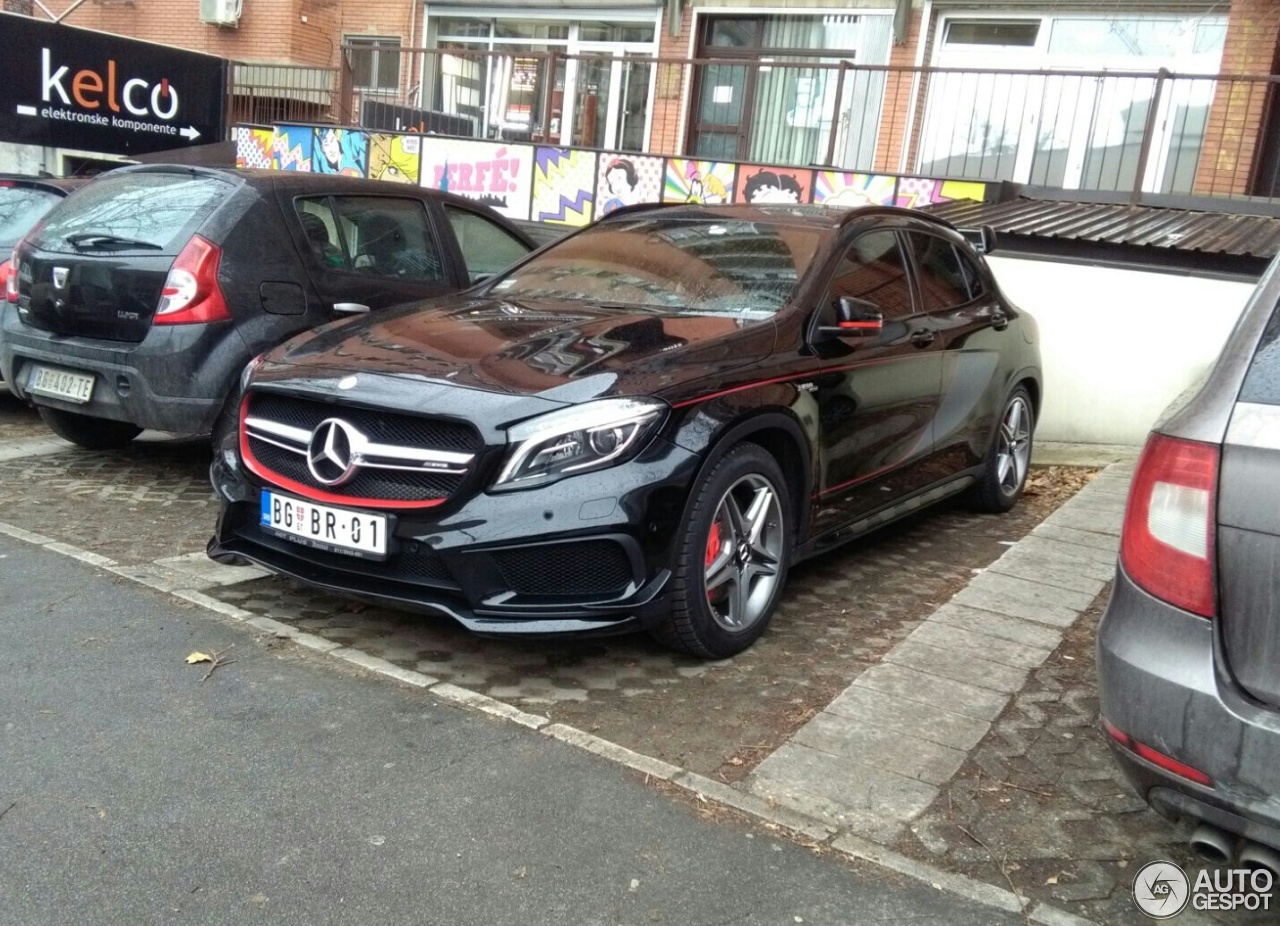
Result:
x=270 y=31
x=1236 y=118
x=895 y=114
x=672 y=85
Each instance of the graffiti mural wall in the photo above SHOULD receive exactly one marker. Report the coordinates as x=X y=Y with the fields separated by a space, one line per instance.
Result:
x=564 y=185
x=627 y=179
x=396 y=158
x=761 y=184
x=573 y=186
x=293 y=147
x=841 y=188
x=340 y=151
x=255 y=146
x=708 y=182
x=497 y=175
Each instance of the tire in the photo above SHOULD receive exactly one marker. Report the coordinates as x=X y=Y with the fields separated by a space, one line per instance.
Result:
x=86 y=432
x=726 y=586
x=1004 y=474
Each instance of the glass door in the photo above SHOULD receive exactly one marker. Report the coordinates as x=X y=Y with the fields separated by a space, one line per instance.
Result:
x=609 y=95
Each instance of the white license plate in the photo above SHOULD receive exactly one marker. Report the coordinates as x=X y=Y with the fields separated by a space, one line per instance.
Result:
x=61 y=384
x=359 y=533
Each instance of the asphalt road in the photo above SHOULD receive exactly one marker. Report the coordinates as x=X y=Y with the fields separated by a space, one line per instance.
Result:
x=283 y=789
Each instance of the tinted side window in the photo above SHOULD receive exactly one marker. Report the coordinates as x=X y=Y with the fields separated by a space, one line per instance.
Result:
x=943 y=281
x=486 y=246
x=19 y=209
x=873 y=269
x=387 y=237
x=1262 y=382
x=320 y=226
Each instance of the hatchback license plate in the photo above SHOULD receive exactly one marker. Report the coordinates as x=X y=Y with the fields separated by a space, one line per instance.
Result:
x=61 y=384
x=340 y=530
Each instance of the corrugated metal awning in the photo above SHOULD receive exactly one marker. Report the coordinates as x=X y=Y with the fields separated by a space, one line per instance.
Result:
x=1149 y=227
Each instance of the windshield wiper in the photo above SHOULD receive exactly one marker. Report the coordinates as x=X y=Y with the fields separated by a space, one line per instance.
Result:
x=108 y=241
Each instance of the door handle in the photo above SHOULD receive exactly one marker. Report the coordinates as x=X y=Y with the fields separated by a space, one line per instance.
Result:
x=922 y=338
x=349 y=308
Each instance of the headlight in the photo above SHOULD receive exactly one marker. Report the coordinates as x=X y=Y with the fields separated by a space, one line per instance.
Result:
x=576 y=440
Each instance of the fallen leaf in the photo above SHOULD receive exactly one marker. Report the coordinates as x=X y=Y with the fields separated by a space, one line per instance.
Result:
x=1051 y=880
x=198 y=657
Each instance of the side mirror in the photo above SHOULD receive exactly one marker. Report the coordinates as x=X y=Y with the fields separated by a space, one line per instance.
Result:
x=855 y=318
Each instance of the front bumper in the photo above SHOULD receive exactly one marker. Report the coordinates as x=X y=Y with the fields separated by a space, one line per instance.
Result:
x=175 y=379
x=587 y=555
x=1163 y=681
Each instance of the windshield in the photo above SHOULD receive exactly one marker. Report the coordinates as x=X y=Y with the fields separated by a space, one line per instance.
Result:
x=686 y=265
x=20 y=207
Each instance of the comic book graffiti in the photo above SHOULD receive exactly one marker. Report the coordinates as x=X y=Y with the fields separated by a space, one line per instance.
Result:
x=496 y=174
x=395 y=158
x=255 y=147
x=340 y=151
x=564 y=183
x=915 y=192
x=762 y=185
x=627 y=179
x=698 y=182
x=293 y=147
x=840 y=188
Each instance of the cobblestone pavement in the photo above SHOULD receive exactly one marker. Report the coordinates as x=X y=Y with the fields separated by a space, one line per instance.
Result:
x=1044 y=797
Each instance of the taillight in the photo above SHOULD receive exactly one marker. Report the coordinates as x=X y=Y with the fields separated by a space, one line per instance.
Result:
x=1166 y=546
x=191 y=294
x=1155 y=757
x=9 y=278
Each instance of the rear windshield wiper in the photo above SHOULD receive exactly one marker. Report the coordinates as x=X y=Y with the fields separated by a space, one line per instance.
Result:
x=108 y=241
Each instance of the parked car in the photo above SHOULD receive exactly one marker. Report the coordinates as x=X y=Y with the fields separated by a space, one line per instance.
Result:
x=1189 y=646
x=141 y=298
x=642 y=426
x=23 y=201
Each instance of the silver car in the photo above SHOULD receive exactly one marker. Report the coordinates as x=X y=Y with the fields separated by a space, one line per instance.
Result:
x=1189 y=648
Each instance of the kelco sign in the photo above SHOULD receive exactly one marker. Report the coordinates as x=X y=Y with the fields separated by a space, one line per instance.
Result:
x=72 y=88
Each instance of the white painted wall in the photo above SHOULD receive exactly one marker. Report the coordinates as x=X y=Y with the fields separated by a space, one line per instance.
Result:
x=1117 y=345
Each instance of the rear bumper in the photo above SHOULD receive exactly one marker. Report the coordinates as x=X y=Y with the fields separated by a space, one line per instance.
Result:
x=175 y=379
x=1162 y=680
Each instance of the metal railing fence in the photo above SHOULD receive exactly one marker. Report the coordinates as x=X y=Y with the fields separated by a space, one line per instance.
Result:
x=1134 y=133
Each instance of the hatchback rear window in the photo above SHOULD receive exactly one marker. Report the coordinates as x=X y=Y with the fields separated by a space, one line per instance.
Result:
x=675 y=264
x=1262 y=382
x=150 y=211
x=20 y=207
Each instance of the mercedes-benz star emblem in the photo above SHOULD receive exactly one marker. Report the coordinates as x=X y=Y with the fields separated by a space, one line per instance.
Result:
x=329 y=456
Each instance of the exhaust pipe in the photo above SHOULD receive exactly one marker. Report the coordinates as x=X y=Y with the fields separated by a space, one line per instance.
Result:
x=1254 y=856
x=1212 y=844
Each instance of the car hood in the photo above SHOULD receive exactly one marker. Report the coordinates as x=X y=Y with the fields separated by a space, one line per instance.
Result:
x=560 y=351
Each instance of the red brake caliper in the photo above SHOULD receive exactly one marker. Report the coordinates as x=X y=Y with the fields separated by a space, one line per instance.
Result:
x=713 y=546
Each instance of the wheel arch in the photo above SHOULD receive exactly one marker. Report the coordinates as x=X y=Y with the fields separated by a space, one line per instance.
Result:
x=783 y=438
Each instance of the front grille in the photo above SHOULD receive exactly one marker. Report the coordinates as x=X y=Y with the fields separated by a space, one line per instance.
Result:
x=391 y=428
x=382 y=426
x=591 y=567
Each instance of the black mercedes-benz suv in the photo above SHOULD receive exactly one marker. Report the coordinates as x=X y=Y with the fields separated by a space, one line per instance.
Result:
x=642 y=426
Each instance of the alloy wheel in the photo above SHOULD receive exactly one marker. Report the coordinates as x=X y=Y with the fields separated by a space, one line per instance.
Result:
x=743 y=553
x=1013 y=454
